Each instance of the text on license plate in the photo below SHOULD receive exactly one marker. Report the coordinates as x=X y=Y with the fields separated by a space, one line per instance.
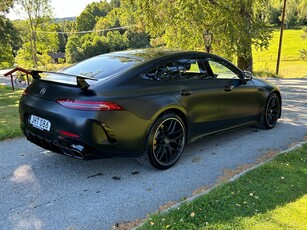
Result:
x=40 y=123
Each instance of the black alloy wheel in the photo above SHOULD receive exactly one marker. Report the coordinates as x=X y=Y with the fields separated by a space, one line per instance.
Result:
x=271 y=113
x=166 y=142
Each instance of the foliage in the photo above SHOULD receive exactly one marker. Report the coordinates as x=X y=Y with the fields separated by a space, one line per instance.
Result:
x=107 y=36
x=38 y=13
x=6 y=56
x=45 y=43
x=6 y=5
x=116 y=41
x=79 y=48
x=296 y=12
x=9 y=42
x=183 y=23
x=137 y=39
x=9 y=39
x=264 y=198
x=90 y=15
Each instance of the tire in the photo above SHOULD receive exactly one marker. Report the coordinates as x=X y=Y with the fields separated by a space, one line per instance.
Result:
x=271 y=112
x=165 y=142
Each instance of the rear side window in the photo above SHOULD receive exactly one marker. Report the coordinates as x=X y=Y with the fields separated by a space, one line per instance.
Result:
x=189 y=68
x=164 y=72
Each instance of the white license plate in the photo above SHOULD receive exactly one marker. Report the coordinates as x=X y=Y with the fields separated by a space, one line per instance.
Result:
x=40 y=123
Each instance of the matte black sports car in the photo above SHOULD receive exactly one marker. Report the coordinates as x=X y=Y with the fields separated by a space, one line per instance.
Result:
x=143 y=103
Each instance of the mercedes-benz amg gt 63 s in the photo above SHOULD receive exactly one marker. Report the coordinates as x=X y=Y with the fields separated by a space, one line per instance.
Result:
x=146 y=104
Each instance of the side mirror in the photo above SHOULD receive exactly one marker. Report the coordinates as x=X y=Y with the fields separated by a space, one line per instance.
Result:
x=247 y=76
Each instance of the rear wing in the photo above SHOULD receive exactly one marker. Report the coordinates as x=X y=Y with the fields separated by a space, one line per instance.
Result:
x=64 y=78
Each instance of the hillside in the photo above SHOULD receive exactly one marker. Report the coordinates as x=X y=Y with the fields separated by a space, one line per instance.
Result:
x=291 y=65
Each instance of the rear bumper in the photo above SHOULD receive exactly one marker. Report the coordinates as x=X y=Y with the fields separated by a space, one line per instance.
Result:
x=68 y=147
x=97 y=133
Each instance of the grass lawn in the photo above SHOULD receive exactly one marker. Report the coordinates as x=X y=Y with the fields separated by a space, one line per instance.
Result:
x=272 y=196
x=291 y=66
x=9 y=119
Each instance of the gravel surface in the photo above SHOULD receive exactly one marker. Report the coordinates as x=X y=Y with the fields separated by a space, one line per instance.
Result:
x=43 y=190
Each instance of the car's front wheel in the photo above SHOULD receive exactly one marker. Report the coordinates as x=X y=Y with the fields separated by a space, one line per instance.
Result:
x=165 y=142
x=271 y=112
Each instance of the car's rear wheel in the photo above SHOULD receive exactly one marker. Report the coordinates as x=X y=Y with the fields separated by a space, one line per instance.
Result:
x=271 y=113
x=166 y=141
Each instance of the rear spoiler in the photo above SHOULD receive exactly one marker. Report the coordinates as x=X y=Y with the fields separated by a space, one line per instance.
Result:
x=80 y=78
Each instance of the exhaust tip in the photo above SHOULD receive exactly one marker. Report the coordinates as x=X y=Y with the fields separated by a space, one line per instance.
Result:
x=75 y=151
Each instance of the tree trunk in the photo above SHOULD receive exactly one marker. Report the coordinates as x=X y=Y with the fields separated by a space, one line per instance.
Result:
x=245 y=63
x=244 y=53
x=33 y=48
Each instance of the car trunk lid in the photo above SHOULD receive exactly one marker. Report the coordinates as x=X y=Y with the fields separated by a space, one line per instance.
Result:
x=54 y=85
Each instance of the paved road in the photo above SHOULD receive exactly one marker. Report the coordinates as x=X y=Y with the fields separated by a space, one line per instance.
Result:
x=43 y=190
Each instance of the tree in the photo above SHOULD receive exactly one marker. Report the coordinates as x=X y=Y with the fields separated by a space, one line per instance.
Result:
x=37 y=13
x=10 y=42
x=137 y=39
x=79 y=48
x=10 y=39
x=73 y=51
x=302 y=12
x=236 y=25
x=45 y=44
x=5 y=6
x=116 y=41
x=90 y=15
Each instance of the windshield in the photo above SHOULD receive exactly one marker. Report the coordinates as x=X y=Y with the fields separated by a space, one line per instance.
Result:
x=102 y=66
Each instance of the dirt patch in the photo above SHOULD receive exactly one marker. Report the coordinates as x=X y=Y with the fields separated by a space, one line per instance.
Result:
x=230 y=173
x=135 y=223
x=267 y=156
x=201 y=190
x=166 y=206
x=128 y=225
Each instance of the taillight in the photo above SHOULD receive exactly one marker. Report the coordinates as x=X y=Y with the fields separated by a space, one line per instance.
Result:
x=90 y=105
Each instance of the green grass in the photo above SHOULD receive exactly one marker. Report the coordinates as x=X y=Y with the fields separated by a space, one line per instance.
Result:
x=272 y=196
x=9 y=119
x=291 y=66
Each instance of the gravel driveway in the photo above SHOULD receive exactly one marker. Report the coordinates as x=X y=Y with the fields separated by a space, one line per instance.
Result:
x=43 y=190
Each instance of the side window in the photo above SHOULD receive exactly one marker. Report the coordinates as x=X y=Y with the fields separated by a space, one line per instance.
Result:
x=222 y=72
x=191 y=69
x=165 y=72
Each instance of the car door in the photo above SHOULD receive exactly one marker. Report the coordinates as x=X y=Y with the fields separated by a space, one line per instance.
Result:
x=238 y=99
x=199 y=94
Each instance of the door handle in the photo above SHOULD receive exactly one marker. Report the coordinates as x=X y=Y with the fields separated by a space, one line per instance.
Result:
x=185 y=92
x=228 y=88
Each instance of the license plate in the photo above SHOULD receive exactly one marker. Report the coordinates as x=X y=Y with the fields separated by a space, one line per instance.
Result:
x=40 y=123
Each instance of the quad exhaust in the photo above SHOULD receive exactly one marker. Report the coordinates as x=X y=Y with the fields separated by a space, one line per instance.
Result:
x=75 y=151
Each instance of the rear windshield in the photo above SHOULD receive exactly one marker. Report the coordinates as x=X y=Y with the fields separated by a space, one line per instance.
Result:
x=102 y=66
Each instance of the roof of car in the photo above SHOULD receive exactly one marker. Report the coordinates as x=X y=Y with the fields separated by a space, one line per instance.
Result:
x=150 y=53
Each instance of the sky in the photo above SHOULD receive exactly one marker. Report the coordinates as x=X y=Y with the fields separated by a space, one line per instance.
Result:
x=61 y=8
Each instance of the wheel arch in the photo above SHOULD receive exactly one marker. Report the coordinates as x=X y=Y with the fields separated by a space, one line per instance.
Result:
x=277 y=92
x=176 y=110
